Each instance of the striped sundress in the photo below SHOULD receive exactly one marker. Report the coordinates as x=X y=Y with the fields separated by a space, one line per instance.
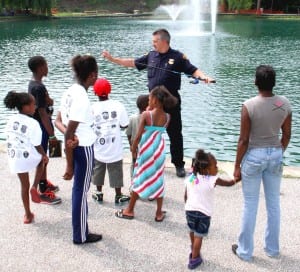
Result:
x=148 y=175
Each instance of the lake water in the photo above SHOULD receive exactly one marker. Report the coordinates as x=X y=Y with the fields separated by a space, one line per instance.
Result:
x=210 y=113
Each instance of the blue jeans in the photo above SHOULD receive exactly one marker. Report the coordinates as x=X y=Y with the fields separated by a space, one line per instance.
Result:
x=261 y=164
x=198 y=223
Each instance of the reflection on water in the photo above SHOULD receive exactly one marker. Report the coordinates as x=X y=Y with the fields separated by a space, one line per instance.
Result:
x=210 y=113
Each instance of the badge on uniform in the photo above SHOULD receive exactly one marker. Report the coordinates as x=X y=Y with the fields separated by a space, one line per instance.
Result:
x=171 y=61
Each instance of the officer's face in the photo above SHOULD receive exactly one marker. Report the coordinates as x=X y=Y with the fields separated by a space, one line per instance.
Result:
x=157 y=43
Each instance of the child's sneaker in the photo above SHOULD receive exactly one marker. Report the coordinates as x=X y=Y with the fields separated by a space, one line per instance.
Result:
x=49 y=198
x=120 y=199
x=194 y=263
x=47 y=186
x=51 y=187
x=98 y=196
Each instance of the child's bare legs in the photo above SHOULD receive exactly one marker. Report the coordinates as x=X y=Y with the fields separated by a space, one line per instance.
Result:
x=130 y=208
x=44 y=173
x=159 y=214
x=40 y=171
x=24 y=179
x=35 y=196
x=118 y=191
x=196 y=242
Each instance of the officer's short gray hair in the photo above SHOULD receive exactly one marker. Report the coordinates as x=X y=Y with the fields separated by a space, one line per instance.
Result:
x=163 y=33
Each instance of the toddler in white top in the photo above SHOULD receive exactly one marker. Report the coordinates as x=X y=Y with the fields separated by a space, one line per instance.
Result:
x=199 y=197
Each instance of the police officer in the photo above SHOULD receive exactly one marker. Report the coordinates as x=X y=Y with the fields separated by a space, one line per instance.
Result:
x=164 y=66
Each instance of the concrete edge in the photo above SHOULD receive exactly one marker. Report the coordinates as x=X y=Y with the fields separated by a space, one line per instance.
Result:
x=224 y=167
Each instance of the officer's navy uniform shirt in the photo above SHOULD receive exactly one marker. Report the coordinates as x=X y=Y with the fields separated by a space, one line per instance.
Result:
x=165 y=69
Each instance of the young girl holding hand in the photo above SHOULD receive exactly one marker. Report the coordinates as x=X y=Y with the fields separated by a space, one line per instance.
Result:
x=199 y=196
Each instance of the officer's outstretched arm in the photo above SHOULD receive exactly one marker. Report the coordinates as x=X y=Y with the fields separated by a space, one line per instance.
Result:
x=127 y=62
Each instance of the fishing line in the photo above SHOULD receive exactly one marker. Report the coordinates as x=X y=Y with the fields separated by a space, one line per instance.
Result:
x=195 y=80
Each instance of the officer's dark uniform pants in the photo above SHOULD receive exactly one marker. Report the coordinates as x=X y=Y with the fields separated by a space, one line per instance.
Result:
x=174 y=131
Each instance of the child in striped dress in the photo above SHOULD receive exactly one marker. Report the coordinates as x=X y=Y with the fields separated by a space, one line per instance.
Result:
x=149 y=149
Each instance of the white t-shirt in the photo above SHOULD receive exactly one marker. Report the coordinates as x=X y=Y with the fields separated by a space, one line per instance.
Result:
x=109 y=115
x=23 y=133
x=200 y=193
x=75 y=106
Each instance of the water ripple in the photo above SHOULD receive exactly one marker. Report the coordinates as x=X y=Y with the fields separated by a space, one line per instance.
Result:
x=210 y=113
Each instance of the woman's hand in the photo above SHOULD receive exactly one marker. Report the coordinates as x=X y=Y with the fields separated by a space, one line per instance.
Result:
x=237 y=173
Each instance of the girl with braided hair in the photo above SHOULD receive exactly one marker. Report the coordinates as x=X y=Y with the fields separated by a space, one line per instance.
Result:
x=199 y=196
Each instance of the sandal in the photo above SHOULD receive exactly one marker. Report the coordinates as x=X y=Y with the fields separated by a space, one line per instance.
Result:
x=120 y=214
x=162 y=218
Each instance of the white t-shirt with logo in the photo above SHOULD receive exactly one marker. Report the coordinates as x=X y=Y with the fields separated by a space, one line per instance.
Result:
x=200 y=193
x=109 y=115
x=23 y=133
x=75 y=106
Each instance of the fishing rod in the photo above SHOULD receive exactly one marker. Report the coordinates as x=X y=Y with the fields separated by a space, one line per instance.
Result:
x=195 y=80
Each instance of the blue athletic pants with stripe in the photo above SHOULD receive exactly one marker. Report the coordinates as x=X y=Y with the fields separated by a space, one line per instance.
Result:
x=83 y=169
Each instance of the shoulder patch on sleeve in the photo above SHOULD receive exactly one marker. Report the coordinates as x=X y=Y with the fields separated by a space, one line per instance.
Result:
x=184 y=57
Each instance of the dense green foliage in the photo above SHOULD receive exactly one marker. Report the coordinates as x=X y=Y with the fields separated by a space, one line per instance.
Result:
x=266 y=4
x=239 y=4
x=36 y=6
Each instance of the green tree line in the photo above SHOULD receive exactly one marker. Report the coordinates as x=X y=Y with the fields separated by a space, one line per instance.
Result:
x=44 y=6
x=257 y=4
x=34 y=6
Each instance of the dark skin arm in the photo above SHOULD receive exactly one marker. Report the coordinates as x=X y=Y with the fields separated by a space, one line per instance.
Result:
x=69 y=139
x=142 y=124
x=46 y=121
x=219 y=181
x=129 y=139
x=286 y=131
x=223 y=182
x=243 y=142
x=58 y=123
x=45 y=158
x=62 y=128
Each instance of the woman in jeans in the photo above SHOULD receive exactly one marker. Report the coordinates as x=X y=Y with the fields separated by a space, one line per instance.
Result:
x=264 y=135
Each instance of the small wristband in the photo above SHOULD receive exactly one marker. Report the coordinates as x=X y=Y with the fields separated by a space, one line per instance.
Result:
x=52 y=137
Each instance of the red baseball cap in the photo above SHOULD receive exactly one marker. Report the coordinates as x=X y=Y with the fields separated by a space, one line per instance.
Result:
x=102 y=87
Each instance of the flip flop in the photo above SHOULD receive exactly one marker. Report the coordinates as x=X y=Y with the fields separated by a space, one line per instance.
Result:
x=161 y=219
x=120 y=214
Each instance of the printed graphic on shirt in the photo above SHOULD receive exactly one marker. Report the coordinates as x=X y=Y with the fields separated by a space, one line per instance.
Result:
x=67 y=105
x=278 y=105
x=106 y=127
x=17 y=141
